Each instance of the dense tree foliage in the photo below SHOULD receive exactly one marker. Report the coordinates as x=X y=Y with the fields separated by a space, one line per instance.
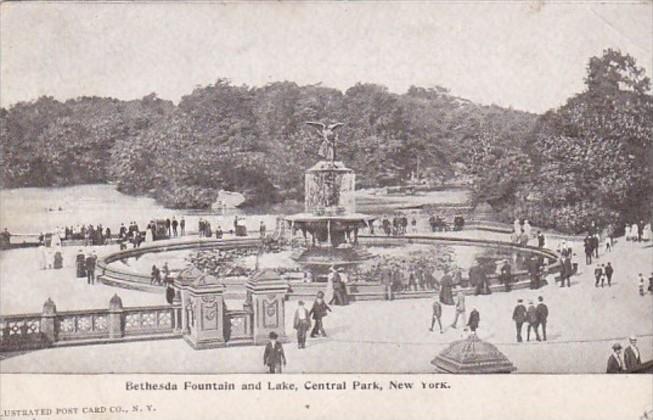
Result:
x=588 y=160
x=251 y=140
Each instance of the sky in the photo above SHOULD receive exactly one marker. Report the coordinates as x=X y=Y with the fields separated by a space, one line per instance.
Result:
x=526 y=55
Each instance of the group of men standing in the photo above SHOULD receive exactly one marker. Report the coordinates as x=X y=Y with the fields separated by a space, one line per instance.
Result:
x=85 y=266
x=534 y=316
x=631 y=357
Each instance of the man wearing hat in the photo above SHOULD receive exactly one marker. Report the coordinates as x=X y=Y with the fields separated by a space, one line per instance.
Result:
x=632 y=358
x=301 y=323
x=273 y=357
x=519 y=316
x=542 y=312
x=319 y=311
x=531 y=315
x=615 y=364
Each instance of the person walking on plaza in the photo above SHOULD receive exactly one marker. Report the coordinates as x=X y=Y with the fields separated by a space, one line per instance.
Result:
x=609 y=271
x=182 y=226
x=460 y=308
x=598 y=274
x=519 y=316
x=273 y=356
x=540 y=239
x=175 y=223
x=587 y=244
x=596 y=243
x=608 y=244
x=80 y=264
x=474 y=320
x=437 y=314
x=169 y=227
x=632 y=358
x=301 y=323
x=542 y=312
x=90 y=268
x=261 y=229
x=615 y=364
x=319 y=311
x=531 y=316
x=567 y=270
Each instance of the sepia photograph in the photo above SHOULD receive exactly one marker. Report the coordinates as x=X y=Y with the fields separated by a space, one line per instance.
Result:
x=326 y=188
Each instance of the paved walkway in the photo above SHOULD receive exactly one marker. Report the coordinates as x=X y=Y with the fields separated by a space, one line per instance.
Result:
x=393 y=336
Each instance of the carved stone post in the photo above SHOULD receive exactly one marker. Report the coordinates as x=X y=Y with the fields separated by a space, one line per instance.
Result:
x=267 y=292
x=48 y=321
x=203 y=311
x=115 y=317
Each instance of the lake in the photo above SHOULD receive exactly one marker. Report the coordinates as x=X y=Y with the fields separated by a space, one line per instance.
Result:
x=35 y=210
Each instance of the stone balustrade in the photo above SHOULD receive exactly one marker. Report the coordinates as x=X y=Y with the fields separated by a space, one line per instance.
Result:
x=91 y=326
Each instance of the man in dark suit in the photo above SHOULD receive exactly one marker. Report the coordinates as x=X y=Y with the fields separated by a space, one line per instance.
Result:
x=273 y=357
x=609 y=271
x=319 y=311
x=567 y=271
x=437 y=314
x=474 y=320
x=587 y=244
x=90 y=268
x=519 y=316
x=531 y=315
x=632 y=357
x=598 y=273
x=540 y=239
x=542 y=312
x=615 y=364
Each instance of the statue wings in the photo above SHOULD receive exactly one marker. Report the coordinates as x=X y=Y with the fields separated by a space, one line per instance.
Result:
x=323 y=127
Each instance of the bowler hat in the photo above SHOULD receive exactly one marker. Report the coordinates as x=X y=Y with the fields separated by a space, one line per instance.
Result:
x=616 y=346
x=273 y=335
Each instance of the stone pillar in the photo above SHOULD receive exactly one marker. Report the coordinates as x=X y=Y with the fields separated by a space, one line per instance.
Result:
x=48 y=320
x=177 y=312
x=267 y=293
x=115 y=317
x=203 y=310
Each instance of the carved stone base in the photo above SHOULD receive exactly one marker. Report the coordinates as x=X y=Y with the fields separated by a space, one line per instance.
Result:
x=205 y=344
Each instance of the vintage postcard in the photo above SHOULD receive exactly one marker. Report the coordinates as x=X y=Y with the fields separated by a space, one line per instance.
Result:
x=319 y=209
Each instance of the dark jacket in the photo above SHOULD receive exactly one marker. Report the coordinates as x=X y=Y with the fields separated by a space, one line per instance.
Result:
x=609 y=271
x=474 y=319
x=631 y=360
x=437 y=309
x=613 y=365
x=519 y=314
x=274 y=355
x=542 y=312
x=531 y=314
x=319 y=310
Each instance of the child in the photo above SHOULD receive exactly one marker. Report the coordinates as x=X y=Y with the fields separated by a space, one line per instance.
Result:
x=273 y=356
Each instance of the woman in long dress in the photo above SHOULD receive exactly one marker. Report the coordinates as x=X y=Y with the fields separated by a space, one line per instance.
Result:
x=628 y=233
x=646 y=233
x=634 y=232
x=328 y=291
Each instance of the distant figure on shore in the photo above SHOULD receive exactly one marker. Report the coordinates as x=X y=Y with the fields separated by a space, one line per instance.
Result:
x=182 y=226
x=540 y=239
x=615 y=364
x=175 y=224
x=91 y=258
x=273 y=356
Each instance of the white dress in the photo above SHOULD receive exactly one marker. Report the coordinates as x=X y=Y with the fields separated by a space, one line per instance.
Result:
x=517 y=226
x=634 y=231
x=628 y=233
x=646 y=234
x=527 y=228
x=328 y=291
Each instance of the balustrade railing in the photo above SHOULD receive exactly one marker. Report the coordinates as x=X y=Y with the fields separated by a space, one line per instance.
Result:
x=52 y=328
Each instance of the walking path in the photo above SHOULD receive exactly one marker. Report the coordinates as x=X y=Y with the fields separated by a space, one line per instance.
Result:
x=393 y=336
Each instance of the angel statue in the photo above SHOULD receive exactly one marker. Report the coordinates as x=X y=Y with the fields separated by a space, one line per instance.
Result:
x=329 y=137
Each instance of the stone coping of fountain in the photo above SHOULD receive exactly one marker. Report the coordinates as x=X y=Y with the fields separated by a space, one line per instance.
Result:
x=310 y=217
x=120 y=278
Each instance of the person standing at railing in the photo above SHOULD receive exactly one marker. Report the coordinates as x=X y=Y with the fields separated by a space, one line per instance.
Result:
x=90 y=268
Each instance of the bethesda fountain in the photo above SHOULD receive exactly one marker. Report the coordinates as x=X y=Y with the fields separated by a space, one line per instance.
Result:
x=330 y=223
